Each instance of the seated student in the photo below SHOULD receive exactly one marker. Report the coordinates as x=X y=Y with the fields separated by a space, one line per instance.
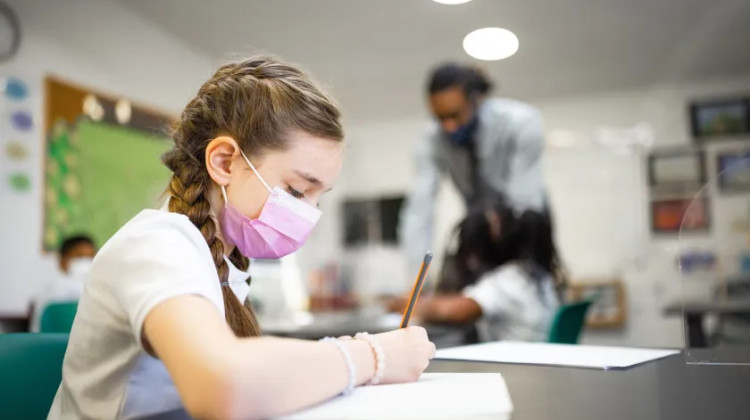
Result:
x=159 y=328
x=508 y=277
x=74 y=259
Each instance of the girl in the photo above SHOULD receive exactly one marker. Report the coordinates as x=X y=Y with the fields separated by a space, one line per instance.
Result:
x=506 y=277
x=159 y=326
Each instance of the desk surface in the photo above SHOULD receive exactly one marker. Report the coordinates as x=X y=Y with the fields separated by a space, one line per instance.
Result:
x=708 y=306
x=337 y=324
x=326 y=324
x=664 y=389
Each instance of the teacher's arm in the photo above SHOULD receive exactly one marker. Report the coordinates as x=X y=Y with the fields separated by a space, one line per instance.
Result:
x=524 y=185
x=415 y=230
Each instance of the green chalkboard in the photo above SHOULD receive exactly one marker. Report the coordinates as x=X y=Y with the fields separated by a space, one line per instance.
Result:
x=98 y=176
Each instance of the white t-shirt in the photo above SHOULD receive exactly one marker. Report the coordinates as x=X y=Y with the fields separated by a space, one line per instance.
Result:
x=514 y=306
x=106 y=372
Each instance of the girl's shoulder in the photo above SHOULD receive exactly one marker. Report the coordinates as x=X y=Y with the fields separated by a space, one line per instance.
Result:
x=509 y=272
x=517 y=276
x=157 y=234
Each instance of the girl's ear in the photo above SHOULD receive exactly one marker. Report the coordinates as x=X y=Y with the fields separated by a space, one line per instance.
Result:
x=220 y=152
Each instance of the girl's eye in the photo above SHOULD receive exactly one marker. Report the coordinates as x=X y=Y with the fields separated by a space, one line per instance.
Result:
x=296 y=194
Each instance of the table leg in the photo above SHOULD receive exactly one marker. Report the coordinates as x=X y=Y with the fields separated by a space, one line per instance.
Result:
x=696 y=337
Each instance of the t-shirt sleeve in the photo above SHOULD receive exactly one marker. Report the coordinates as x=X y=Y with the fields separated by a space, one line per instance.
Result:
x=495 y=292
x=158 y=262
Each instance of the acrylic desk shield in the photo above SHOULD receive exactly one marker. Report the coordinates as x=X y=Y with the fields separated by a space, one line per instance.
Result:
x=714 y=265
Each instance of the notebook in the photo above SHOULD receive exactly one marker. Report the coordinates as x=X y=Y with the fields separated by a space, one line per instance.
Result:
x=595 y=357
x=434 y=396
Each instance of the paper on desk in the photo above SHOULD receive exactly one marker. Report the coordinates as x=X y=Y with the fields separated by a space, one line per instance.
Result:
x=434 y=396
x=600 y=357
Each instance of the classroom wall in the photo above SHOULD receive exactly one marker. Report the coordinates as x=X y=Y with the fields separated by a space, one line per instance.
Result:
x=603 y=228
x=98 y=44
x=598 y=196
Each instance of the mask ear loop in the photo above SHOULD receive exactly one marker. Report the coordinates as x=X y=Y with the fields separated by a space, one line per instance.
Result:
x=224 y=193
x=226 y=203
x=255 y=171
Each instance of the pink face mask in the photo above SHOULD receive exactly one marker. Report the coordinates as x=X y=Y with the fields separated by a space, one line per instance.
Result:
x=283 y=226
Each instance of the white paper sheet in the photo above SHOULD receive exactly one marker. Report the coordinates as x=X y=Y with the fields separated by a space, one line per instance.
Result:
x=554 y=354
x=434 y=396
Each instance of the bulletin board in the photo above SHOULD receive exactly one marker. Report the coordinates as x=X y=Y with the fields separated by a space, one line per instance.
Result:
x=100 y=168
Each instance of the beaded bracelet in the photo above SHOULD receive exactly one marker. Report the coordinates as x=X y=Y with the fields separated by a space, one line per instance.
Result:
x=349 y=364
x=379 y=353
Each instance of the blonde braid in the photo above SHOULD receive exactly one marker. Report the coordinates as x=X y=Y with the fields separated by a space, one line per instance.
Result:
x=188 y=190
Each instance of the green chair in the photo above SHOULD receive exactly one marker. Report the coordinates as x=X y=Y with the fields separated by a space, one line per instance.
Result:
x=58 y=317
x=568 y=323
x=30 y=372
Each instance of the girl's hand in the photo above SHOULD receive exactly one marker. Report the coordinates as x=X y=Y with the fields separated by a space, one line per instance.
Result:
x=407 y=354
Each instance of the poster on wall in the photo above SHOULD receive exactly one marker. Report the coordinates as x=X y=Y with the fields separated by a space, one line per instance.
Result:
x=608 y=308
x=682 y=215
x=101 y=162
x=734 y=171
x=371 y=221
x=677 y=170
x=16 y=134
x=720 y=118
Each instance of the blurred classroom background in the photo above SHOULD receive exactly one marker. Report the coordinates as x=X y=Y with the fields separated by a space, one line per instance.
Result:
x=646 y=108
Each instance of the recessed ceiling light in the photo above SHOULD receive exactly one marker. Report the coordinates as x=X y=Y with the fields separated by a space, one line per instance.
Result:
x=451 y=1
x=491 y=44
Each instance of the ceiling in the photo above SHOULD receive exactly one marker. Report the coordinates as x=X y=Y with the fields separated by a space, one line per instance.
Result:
x=374 y=55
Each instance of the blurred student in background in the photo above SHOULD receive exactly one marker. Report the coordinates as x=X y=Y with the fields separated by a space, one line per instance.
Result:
x=74 y=259
x=489 y=146
x=505 y=276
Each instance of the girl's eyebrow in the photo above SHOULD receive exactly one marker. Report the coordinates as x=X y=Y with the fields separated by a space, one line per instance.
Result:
x=311 y=179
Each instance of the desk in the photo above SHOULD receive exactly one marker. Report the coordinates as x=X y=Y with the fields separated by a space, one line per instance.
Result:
x=340 y=323
x=694 y=311
x=665 y=389
x=325 y=324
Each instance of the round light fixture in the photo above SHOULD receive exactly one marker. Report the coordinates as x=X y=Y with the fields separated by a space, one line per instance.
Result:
x=491 y=44
x=451 y=1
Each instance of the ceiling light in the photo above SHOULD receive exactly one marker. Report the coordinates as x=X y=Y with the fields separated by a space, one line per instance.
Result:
x=491 y=44
x=451 y=1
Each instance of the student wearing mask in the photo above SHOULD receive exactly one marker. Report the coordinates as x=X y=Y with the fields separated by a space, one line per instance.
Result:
x=505 y=276
x=488 y=146
x=74 y=260
x=159 y=327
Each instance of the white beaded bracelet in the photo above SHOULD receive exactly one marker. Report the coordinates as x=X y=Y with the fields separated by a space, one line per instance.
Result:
x=379 y=353
x=349 y=364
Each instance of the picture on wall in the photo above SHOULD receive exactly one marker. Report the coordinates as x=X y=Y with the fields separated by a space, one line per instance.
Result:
x=729 y=117
x=360 y=222
x=608 y=308
x=680 y=215
x=734 y=171
x=101 y=162
x=372 y=221
x=676 y=168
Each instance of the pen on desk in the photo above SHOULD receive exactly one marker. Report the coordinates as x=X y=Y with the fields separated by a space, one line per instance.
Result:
x=417 y=289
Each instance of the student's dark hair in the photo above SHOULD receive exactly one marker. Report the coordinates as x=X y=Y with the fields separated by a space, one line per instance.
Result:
x=258 y=102
x=491 y=236
x=73 y=241
x=472 y=79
